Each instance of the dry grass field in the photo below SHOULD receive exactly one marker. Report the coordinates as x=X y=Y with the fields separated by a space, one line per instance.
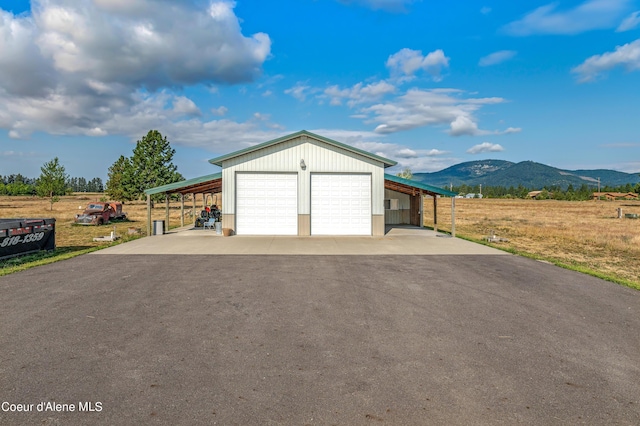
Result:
x=71 y=236
x=585 y=235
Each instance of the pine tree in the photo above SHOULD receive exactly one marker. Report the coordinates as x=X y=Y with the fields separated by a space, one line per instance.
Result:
x=150 y=166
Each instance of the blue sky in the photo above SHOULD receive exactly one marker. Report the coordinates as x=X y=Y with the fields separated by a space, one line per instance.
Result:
x=428 y=84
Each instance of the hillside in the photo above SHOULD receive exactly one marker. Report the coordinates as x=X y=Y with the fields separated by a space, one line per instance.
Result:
x=526 y=173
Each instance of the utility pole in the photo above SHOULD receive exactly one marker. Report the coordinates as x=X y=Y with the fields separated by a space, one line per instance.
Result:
x=480 y=190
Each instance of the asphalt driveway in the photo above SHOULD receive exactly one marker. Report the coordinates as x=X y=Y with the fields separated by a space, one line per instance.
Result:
x=205 y=339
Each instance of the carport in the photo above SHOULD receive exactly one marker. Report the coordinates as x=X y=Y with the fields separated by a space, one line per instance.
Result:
x=308 y=184
x=212 y=184
x=417 y=192
x=205 y=185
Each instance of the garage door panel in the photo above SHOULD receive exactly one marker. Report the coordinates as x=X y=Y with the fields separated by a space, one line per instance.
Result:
x=266 y=204
x=340 y=204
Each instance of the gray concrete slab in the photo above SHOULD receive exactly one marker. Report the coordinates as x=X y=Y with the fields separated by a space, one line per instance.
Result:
x=205 y=339
x=398 y=240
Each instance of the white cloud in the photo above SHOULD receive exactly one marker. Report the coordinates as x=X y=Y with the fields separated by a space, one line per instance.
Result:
x=377 y=102
x=185 y=106
x=485 y=10
x=300 y=91
x=508 y=131
x=463 y=125
x=406 y=153
x=631 y=22
x=425 y=163
x=220 y=111
x=485 y=147
x=627 y=56
x=70 y=67
x=359 y=93
x=497 y=57
x=350 y=137
x=153 y=45
x=587 y=16
x=419 y=108
x=407 y=62
x=418 y=160
x=388 y=5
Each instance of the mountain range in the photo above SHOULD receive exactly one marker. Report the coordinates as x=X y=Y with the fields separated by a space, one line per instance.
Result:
x=529 y=174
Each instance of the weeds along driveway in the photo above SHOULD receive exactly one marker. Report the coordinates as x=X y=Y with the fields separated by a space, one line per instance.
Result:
x=169 y=339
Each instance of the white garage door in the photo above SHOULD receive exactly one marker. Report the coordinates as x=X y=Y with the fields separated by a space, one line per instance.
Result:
x=266 y=204
x=340 y=204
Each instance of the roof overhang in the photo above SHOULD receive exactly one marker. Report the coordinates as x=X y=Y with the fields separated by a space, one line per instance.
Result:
x=200 y=185
x=412 y=187
x=385 y=161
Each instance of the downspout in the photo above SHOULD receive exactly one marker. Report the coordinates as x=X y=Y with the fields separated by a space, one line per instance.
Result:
x=453 y=216
x=181 y=210
x=421 y=209
x=166 y=197
x=194 y=209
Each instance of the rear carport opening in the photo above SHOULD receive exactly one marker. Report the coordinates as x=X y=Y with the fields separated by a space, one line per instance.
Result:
x=409 y=205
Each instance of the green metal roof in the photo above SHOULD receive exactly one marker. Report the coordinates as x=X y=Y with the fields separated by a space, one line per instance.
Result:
x=218 y=161
x=182 y=184
x=419 y=185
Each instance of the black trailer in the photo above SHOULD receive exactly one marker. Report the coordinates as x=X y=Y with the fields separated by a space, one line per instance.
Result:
x=22 y=236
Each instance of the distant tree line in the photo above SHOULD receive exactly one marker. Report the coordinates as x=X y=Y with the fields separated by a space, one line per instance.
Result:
x=584 y=192
x=82 y=185
x=18 y=184
x=150 y=166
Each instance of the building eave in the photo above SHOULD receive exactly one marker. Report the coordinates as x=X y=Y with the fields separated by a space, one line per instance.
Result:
x=385 y=161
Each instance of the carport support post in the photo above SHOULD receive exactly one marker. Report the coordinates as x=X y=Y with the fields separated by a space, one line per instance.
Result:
x=194 y=208
x=453 y=216
x=181 y=210
x=148 y=215
x=421 y=209
x=166 y=197
x=435 y=212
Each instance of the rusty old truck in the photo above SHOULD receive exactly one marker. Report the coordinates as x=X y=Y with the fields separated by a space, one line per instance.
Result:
x=100 y=213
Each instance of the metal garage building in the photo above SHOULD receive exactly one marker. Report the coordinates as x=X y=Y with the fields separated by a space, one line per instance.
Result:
x=303 y=184
x=306 y=184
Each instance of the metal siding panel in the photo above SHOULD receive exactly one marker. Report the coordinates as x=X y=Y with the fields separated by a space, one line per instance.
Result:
x=318 y=156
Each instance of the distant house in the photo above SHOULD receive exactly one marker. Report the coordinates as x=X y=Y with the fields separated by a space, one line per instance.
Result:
x=540 y=194
x=534 y=194
x=615 y=195
x=473 y=196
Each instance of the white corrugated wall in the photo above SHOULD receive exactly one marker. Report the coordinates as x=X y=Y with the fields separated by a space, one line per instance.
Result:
x=318 y=156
